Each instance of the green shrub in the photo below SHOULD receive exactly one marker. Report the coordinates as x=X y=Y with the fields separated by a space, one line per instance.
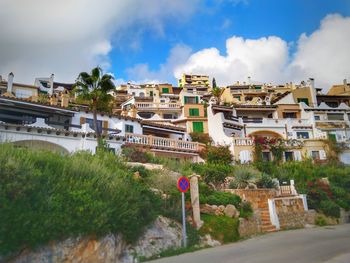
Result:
x=245 y=210
x=265 y=181
x=329 y=208
x=221 y=198
x=134 y=154
x=45 y=196
x=201 y=138
x=213 y=173
x=221 y=228
x=243 y=176
x=219 y=155
x=320 y=221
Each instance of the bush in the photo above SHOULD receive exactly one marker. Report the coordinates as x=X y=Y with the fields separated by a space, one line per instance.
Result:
x=320 y=221
x=134 y=154
x=245 y=210
x=201 y=138
x=329 y=208
x=221 y=228
x=243 y=176
x=45 y=196
x=219 y=155
x=265 y=181
x=213 y=173
x=221 y=198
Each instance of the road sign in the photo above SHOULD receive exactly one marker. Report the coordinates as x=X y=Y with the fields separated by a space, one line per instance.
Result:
x=183 y=184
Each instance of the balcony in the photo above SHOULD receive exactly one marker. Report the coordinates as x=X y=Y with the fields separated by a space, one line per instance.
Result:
x=243 y=141
x=162 y=143
x=156 y=106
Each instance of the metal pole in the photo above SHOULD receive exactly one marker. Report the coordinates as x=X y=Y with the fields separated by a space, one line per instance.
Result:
x=184 y=237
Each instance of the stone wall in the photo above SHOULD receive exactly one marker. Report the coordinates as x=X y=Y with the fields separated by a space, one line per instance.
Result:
x=249 y=227
x=257 y=197
x=291 y=213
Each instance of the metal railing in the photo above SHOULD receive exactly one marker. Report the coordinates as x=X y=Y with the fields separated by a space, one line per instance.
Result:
x=159 y=142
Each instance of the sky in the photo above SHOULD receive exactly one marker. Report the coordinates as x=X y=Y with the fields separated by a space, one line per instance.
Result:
x=271 y=41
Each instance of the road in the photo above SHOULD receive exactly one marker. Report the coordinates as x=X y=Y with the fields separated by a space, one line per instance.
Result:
x=321 y=244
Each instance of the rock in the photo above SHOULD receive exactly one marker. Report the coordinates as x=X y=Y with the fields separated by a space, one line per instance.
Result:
x=208 y=241
x=222 y=208
x=207 y=209
x=161 y=235
x=219 y=212
x=231 y=211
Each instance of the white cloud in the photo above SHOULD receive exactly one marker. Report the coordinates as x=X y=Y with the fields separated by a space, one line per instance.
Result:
x=141 y=72
x=262 y=59
x=324 y=55
x=64 y=37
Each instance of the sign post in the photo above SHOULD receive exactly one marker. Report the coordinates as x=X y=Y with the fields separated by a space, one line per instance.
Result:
x=183 y=184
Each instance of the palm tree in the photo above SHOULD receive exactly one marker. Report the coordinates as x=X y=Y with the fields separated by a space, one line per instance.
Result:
x=94 y=89
x=217 y=92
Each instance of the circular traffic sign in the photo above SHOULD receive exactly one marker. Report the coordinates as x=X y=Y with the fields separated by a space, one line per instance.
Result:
x=183 y=184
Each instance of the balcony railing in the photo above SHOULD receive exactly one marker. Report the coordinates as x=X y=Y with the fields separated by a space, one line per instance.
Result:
x=162 y=143
x=243 y=141
x=154 y=105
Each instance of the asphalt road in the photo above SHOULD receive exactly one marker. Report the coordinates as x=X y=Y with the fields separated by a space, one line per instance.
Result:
x=321 y=244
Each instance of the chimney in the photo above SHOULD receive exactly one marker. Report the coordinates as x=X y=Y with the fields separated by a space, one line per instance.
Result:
x=312 y=83
x=64 y=100
x=249 y=80
x=51 y=84
x=10 y=83
x=345 y=82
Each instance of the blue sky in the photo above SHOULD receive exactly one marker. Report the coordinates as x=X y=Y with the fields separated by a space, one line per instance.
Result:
x=215 y=21
x=158 y=40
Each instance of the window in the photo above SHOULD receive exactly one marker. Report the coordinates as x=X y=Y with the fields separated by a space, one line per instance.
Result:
x=238 y=97
x=317 y=117
x=303 y=135
x=146 y=115
x=142 y=94
x=332 y=104
x=151 y=93
x=305 y=100
x=288 y=156
x=194 y=112
x=198 y=126
x=266 y=156
x=169 y=116
x=315 y=155
x=129 y=128
x=258 y=87
x=292 y=115
x=165 y=90
x=190 y=100
x=335 y=116
x=91 y=124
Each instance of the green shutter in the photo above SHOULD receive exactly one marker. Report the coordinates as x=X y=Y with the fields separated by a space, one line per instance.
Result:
x=305 y=100
x=332 y=137
x=151 y=93
x=186 y=99
x=198 y=126
x=194 y=112
x=196 y=99
x=165 y=90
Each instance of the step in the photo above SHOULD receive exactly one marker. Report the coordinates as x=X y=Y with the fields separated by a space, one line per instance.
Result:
x=270 y=228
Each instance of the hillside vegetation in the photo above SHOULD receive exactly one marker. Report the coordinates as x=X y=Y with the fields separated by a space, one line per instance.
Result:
x=46 y=196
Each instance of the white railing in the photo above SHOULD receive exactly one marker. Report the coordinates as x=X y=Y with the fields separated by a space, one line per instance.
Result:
x=154 y=105
x=159 y=142
x=243 y=141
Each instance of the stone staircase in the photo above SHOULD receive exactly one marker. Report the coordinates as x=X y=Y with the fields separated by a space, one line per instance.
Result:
x=266 y=225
